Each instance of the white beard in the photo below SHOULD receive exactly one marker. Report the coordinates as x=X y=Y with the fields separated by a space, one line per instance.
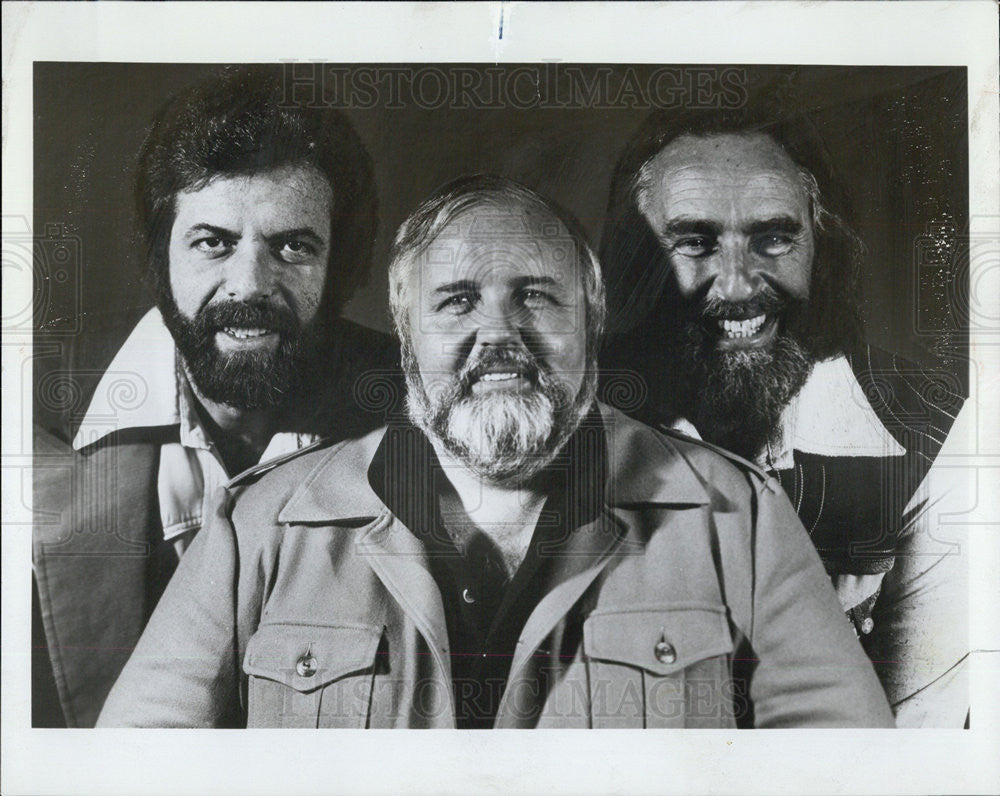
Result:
x=501 y=436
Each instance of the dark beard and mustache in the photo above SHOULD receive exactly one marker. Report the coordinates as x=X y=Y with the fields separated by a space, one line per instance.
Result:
x=244 y=380
x=505 y=437
x=735 y=398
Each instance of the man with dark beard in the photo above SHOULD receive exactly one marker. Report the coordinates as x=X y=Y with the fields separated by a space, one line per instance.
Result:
x=511 y=554
x=734 y=293
x=258 y=217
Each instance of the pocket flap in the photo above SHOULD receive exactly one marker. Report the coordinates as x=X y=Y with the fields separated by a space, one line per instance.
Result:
x=307 y=657
x=661 y=640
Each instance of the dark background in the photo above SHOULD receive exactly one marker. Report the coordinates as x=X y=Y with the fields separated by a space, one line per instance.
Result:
x=897 y=136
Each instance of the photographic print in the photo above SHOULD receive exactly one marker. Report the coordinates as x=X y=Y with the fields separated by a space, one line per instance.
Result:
x=523 y=392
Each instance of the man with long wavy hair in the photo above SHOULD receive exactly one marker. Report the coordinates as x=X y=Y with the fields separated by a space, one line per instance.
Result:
x=733 y=284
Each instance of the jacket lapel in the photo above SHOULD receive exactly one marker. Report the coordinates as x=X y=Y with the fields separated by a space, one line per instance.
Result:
x=400 y=561
x=587 y=552
x=644 y=469
x=95 y=540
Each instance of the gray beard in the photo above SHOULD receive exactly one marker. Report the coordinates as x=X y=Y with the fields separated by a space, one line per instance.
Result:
x=500 y=436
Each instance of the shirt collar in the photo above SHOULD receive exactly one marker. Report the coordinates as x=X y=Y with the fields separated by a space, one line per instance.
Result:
x=140 y=387
x=146 y=387
x=830 y=416
x=406 y=449
x=192 y=432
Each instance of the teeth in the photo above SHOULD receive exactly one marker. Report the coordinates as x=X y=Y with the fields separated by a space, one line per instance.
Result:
x=747 y=328
x=498 y=376
x=243 y=334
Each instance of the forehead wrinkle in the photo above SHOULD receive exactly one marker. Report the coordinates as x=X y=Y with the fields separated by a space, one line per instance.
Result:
x=734 y=162
x=302 y=183
x=525 y=255
x=497 y=267
x=701 y=191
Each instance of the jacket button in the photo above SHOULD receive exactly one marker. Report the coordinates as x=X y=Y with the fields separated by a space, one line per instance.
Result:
x=868 y=625
x=468 y=596
x=665 y=652
x=306 y=666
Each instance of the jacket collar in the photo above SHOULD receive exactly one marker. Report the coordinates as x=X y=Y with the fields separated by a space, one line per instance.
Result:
x=140 y=387
x=644 y=468
x=337 y=490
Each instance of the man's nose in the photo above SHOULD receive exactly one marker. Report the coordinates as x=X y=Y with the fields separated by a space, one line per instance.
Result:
x=498 y=323
x=734 y=273
x=250 y=273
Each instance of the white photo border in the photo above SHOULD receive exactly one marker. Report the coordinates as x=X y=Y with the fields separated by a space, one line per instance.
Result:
x=870 y=33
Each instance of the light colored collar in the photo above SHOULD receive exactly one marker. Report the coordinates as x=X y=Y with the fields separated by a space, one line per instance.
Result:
x=830 y=416
x=145 y=387
x=140 y=387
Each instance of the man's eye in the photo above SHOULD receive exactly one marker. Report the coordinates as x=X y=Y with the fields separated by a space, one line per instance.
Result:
x=296 y=251
x=773 y=245
x=694 y=246
x=531 y=297
x=213 y=246
x=458 y=304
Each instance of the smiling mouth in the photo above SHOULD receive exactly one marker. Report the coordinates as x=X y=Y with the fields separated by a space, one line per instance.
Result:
x=736 y=330
x=246 y=334
x=502 y=380
x=754 y=332
x=246 y=338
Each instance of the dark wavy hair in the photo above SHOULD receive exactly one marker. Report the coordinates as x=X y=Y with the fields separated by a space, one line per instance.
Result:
x=636 y=267
x=240 y=122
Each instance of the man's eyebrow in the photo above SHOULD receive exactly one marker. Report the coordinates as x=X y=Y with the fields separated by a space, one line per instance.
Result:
x=690 y=226
x=781 y=224
x=297 y=232
x=460 y=286
x=211 y=229
x=525 y=281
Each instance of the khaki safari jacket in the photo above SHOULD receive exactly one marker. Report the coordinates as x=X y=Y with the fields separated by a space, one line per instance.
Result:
x=694 y=600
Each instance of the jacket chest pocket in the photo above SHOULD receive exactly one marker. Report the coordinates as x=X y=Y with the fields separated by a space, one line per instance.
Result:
x=310 y=675
x=659 y=667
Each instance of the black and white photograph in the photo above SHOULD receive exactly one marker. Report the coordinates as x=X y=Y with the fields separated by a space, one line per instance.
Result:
x=423 y=390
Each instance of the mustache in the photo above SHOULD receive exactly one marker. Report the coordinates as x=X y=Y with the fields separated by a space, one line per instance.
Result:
x=766 y=301
x=246 y=315
x=491 y=358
